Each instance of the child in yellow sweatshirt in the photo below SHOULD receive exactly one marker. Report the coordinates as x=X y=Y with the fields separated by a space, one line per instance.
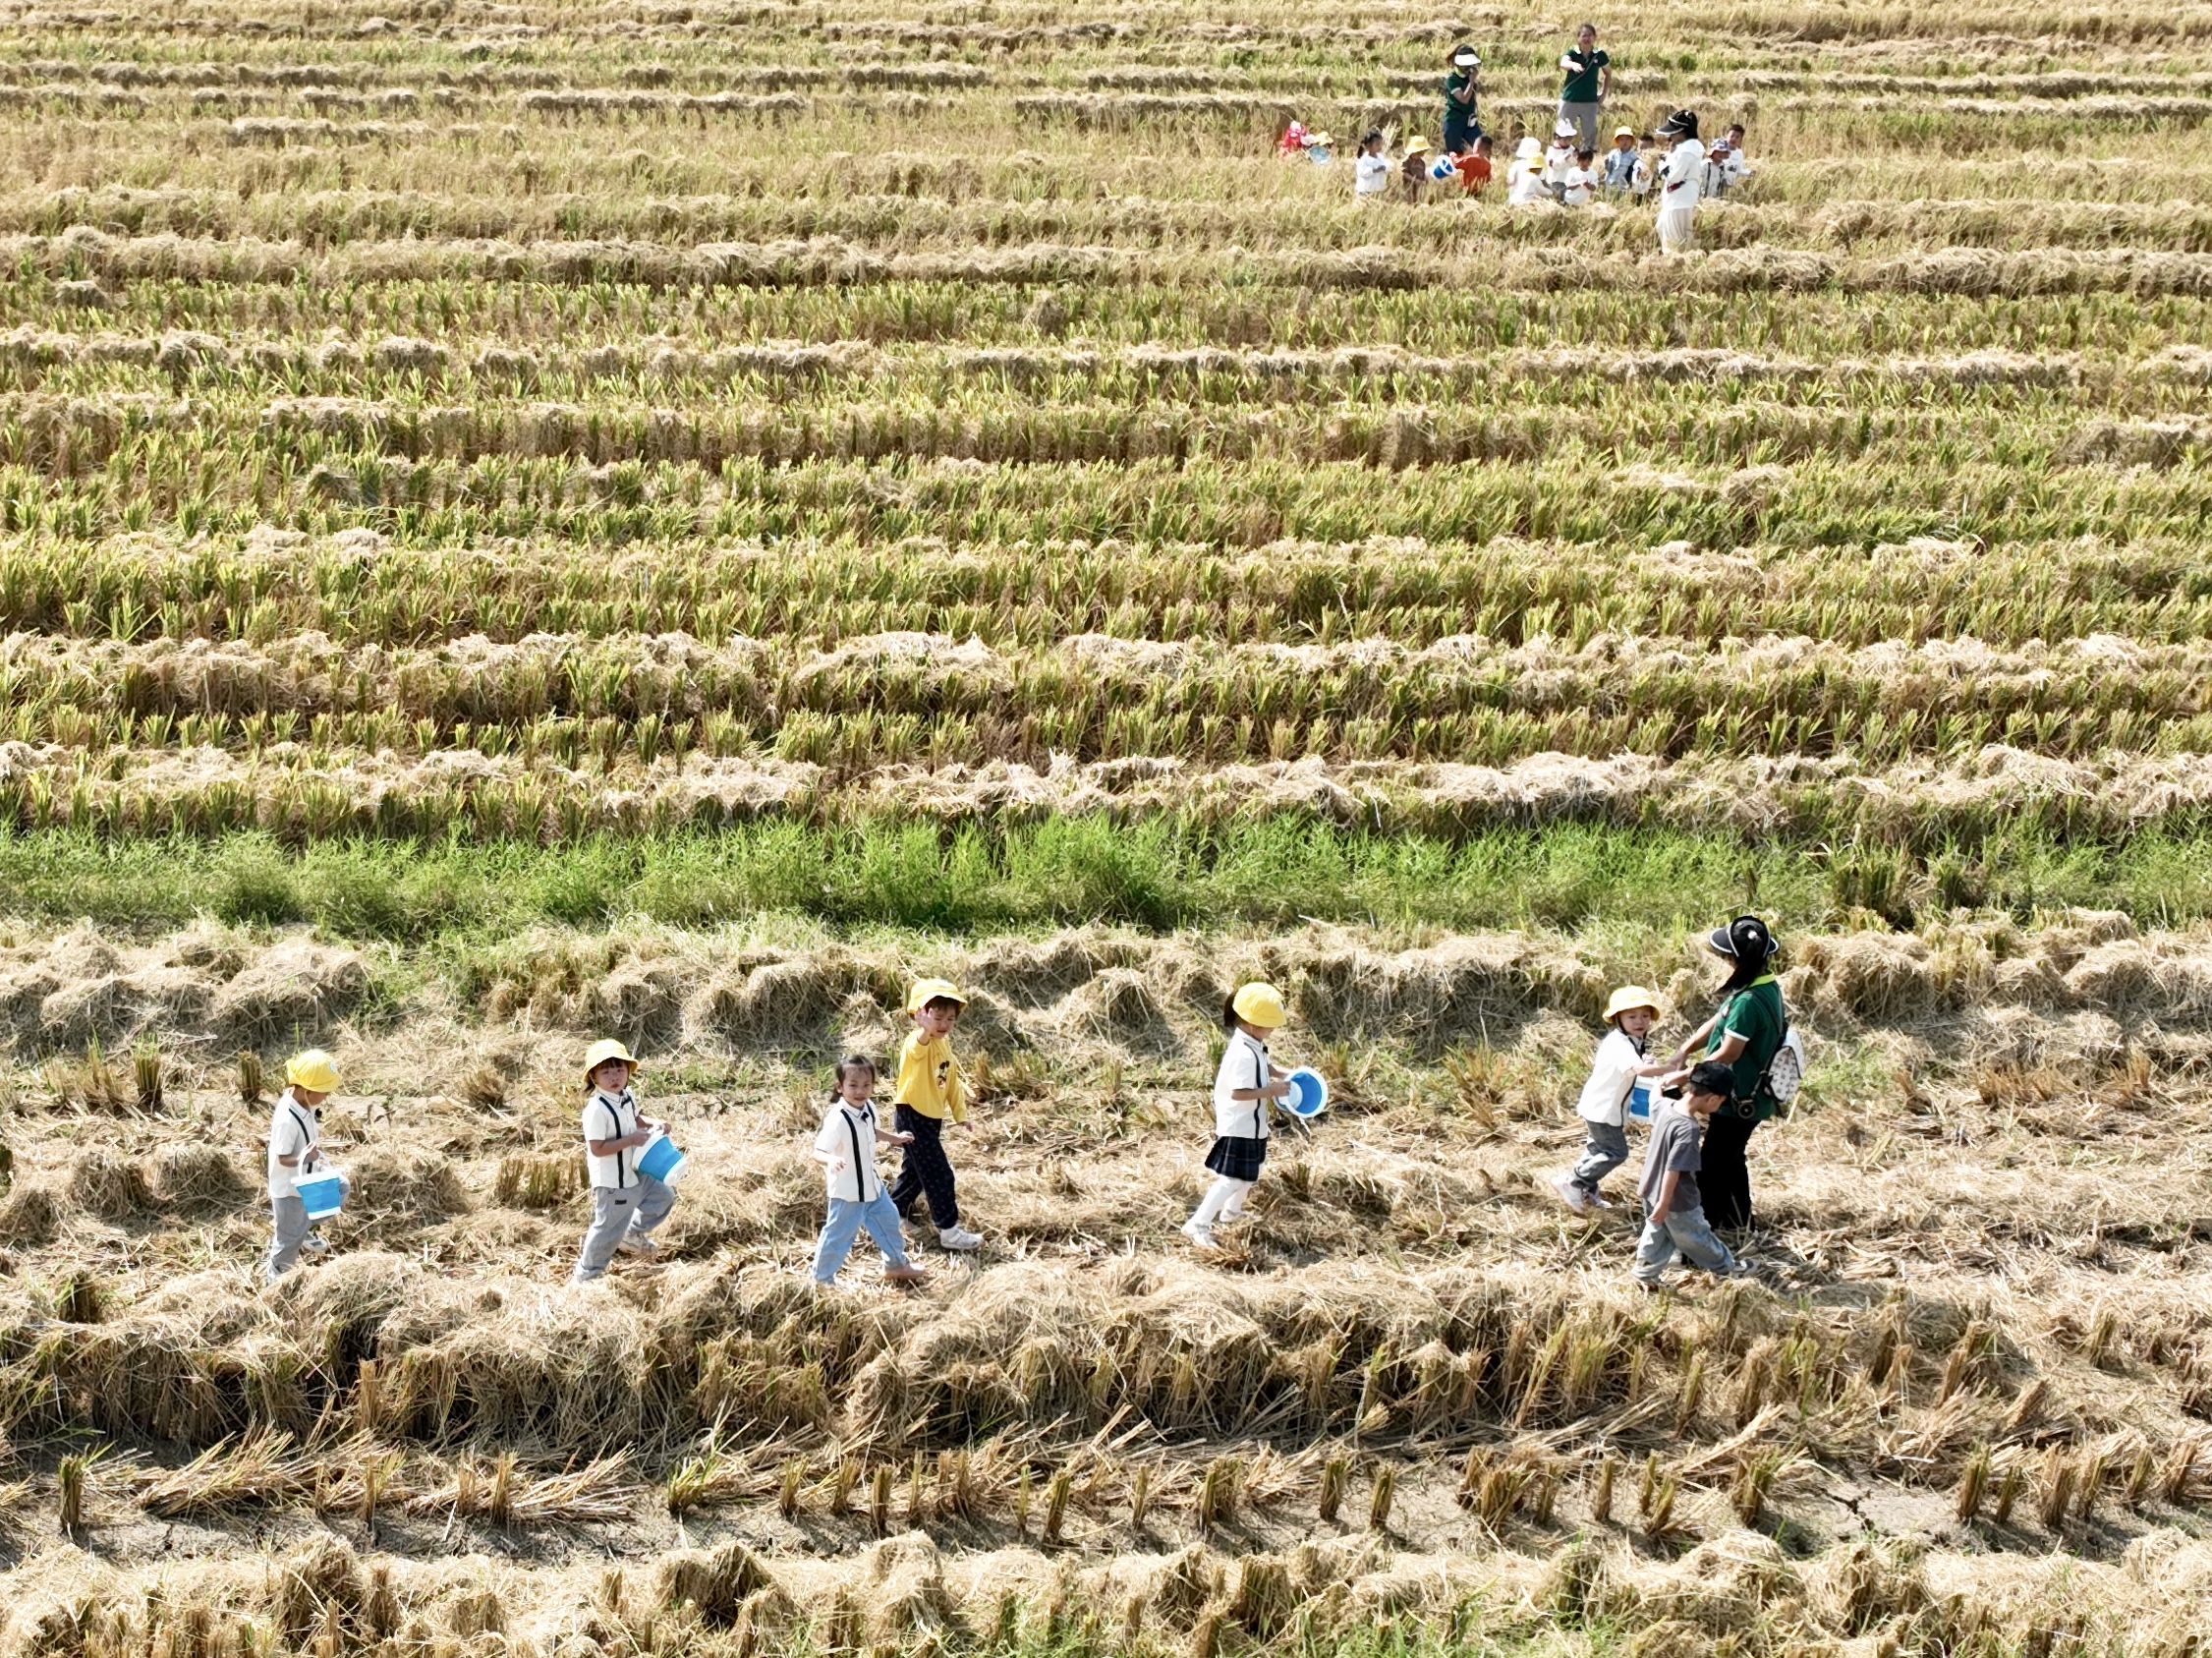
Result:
x=930 y=1093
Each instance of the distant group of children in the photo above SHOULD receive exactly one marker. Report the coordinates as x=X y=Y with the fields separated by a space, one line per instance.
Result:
x=1669 y=166
x=1749 y=1071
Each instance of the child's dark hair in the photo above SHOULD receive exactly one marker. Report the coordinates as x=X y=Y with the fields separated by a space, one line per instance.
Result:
x=1585 y=155
x=851 y=1062
x=1230 y=1017
x=1374 y=135
x=1711 y=1076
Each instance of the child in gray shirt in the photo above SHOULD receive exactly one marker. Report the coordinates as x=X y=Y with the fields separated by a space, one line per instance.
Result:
x=1673 y=1209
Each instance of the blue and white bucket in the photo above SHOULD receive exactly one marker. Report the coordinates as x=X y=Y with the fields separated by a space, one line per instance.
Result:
x=661 y=1160
x=1639 y=1100
x=322 y=1192
x=1309 y=1093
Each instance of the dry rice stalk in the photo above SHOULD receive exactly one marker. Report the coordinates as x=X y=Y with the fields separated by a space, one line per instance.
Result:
x=2057 y=1495
x=787 y=1492
x=1055 y=1503
x=1335 y=1474
x=1216 y=1492
x=368 y=1398
x=1754 y=1481
x=879 y=1499
x=1140 y=1497
x=2027 y=1407
x=1378 y=1503
x=1601 y=1490
x=1966 y=1503
x=2008 y=1493
x=1021 y=1503
x=916 y=1509
x=252 y=1079
x=70 y=1478
x=2101 y=1329
x=145 y=1066
x=2090 y=1484
x=2175 y=1473
x=2140 y=1471
x=1693 y=1391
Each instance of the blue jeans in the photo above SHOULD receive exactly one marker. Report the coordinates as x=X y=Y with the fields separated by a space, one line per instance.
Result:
x=1605 y=1148
x=1685 y=1232
x=878 y=1215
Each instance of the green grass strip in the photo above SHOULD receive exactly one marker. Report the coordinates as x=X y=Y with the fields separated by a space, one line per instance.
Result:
x=1157 y=874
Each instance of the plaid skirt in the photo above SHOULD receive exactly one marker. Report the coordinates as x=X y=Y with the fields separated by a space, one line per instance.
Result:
x=1238 y=1156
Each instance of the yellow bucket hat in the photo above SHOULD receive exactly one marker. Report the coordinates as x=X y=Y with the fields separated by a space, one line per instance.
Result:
x=313 y=1069
x=601 y=1051
x=1628 y=997
x=1260 y=1004
x=927 y=990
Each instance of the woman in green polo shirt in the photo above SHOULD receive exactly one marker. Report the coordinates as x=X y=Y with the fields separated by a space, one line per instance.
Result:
x=1745 y=1035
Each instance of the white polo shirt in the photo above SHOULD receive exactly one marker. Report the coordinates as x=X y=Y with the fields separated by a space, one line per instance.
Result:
x=849 y=1136
x=611 y=1116
x=1244 y=1065
x=1612 y=1073
x=293 y=1132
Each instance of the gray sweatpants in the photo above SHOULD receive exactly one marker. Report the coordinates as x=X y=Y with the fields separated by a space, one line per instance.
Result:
x=292 y=1229
x=615 y=1215
x=1587 y=119
x=1605 y=1148
x=1685 y=1232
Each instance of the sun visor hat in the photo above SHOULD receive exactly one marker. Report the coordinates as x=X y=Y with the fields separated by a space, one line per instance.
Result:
x=1682 y=124
x=1743 y=940
x=1465 y=59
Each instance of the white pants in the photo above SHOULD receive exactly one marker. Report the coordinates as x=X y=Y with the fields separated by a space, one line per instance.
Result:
x=1675 y=229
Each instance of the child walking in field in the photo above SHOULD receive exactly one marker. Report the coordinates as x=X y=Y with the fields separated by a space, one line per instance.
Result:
x=1245 y=1083
x=627 y=1203
x=928 y=1094
x=1371 y=173
x=1604 y=1107
x=1673 y=1208
x=846 y=1150
x=294 y=1153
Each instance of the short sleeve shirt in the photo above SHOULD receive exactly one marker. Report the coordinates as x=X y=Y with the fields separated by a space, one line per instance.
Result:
x=292 y=1133
x=1458 y=118
x=1678 y=1143
x=611 y=1116
x=1582 y=80
x=1755 y=1014
x=1244 y=1065
x=1612 y=1073
x=850 y=1135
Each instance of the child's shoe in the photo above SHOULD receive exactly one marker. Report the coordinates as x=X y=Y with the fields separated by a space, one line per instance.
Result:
x=1201 y=1237
x=640 y=1245
x=315 y=1243
x=959 y=1238
x=908 y=1274
x=1742 y=1267
x=1573 y=1195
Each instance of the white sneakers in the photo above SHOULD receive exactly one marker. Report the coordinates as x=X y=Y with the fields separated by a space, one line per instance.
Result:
x=1201 y=1237
x=959 y=1238
x=1573 y=1195
x=638 y=1244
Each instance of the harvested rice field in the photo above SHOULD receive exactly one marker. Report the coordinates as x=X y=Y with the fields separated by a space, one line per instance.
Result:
x=529 y=523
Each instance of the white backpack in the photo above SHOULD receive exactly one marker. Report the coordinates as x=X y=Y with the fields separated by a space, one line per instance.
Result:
x=1786 y=1071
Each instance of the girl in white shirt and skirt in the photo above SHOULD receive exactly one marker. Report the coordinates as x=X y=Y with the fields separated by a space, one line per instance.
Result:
x=1243 y=1086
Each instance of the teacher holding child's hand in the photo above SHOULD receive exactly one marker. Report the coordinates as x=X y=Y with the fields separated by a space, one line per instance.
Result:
x=1745 y=1035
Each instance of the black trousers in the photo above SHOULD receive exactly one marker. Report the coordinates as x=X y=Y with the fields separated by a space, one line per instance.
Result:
x=1723 y=1181
x=924 y=1173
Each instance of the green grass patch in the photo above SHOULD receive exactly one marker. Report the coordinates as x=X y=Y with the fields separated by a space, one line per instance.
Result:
x=1158 y=874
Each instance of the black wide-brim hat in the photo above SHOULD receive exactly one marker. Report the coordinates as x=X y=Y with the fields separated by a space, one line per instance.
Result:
x=1745 y=938
x=1682 y=124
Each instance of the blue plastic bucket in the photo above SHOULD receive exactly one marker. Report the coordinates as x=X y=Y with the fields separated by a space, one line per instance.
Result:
x=1639 y=1101
x=1309 y=1093
x=321 y=1192
x=661 y=1160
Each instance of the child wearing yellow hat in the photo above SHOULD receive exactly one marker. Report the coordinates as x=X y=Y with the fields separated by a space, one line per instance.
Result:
x=1632 y=1010
x=1245 y=1082
x=627 y=1203
x=928 y=1094
x=296 y=1151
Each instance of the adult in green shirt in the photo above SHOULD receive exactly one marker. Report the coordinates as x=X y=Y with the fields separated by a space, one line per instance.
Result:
x=1461 y=88
x=1746 y=1034
x=1589 y=76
